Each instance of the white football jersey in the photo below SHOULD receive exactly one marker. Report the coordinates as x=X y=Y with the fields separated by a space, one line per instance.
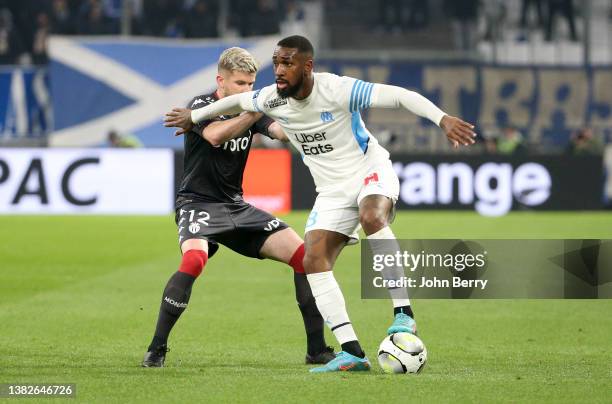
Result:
x=326 y=127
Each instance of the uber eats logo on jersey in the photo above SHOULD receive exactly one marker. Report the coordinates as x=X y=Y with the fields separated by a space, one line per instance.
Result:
x=312 y=150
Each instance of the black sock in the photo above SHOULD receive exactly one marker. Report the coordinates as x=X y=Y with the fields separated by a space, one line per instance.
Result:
x=403 y=309
x=353 y=348
x=174 y=302
x=157 y=341
x=313 y=322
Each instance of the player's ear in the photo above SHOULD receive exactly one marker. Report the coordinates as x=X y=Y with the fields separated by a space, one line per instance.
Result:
x=308 y=65
x=220 y=81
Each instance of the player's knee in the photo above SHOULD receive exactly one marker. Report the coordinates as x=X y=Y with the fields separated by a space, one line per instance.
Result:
x=372 y=220
x=193 y=262
x=308 y=264
x=314 y=264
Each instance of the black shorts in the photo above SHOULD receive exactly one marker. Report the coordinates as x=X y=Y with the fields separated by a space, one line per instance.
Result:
x=238 y=225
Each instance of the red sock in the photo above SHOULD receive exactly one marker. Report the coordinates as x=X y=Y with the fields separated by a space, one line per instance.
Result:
x=193 y=262
x=297 y=260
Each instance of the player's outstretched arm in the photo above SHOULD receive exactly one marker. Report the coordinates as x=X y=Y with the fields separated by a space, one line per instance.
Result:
x=219 y=132
x=457 y=131
x=184 y=118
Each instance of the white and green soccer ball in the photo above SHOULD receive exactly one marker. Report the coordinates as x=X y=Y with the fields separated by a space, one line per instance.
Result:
x=402 y=353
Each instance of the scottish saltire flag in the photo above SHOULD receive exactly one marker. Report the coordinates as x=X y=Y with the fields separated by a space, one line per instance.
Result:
x=98 y=84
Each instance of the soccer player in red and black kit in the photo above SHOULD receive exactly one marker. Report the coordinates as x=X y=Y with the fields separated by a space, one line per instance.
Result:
x=210 y=210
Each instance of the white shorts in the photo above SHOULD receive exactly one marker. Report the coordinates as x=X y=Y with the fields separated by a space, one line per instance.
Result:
x=338 y=210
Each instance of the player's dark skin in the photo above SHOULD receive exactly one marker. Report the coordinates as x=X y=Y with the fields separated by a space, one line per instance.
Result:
x=293 y=72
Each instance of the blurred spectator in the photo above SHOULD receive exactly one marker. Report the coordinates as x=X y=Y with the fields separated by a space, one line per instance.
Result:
x=264 y=19
x=525 y=7
x=23 y=15
x=94 y=21
x=294 y=17
x=464 y=14
x=41 y=37
x=510 y=142
x=62 y=18
x=160 y=17
x=418 y=14
x=582 y=142
x=201 y=20
x=607 y=162
x=490 y=145
x=399 y=15
x=495 y=17
x=123 y=140
x=11 y=45
x=294 y=10
x=566 y=8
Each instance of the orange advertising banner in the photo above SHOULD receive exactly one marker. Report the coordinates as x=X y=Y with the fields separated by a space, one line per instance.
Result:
x=267 y=180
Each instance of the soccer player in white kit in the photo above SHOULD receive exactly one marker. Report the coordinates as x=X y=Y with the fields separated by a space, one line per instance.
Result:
x=354 y=178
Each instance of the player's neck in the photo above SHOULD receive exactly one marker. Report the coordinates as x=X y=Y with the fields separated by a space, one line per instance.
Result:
x=306 y=89
x=219 y=93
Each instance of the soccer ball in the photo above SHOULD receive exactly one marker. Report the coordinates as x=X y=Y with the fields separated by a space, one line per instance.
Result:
x=402 y=353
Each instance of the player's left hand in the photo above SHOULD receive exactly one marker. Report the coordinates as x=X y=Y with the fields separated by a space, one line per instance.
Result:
x=179 y=118
x=458 y=131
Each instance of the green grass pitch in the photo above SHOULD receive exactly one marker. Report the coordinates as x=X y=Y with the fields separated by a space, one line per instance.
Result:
x=79 y=298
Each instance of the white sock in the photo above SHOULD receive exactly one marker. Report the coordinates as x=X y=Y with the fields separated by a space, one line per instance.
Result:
x=331 y=305
x=384 y=242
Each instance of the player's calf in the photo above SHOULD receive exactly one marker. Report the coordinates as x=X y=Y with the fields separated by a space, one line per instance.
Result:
x=174 y=302
x=317 y=351
x=178 y=290
x=383 y=242
x=322 y=249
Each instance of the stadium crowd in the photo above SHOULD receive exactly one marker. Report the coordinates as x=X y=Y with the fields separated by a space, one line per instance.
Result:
x=26 y=24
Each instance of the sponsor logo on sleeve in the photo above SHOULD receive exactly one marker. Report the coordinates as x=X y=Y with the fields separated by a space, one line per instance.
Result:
x=276 y=102
x=255 y=95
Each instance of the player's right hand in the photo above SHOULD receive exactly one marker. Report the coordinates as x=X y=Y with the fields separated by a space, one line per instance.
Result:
x=179 y=118
x=458 y=131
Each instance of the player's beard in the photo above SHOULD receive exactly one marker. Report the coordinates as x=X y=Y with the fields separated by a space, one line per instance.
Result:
x=290 y=90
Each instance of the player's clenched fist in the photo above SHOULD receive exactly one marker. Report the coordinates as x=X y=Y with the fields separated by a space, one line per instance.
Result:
x=179 y=118
x=458 y=131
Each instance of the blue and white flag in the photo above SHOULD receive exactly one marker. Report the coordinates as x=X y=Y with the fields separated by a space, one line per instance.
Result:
x=99 y=84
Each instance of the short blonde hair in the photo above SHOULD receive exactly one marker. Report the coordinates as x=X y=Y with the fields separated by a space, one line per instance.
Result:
x=237 y=59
